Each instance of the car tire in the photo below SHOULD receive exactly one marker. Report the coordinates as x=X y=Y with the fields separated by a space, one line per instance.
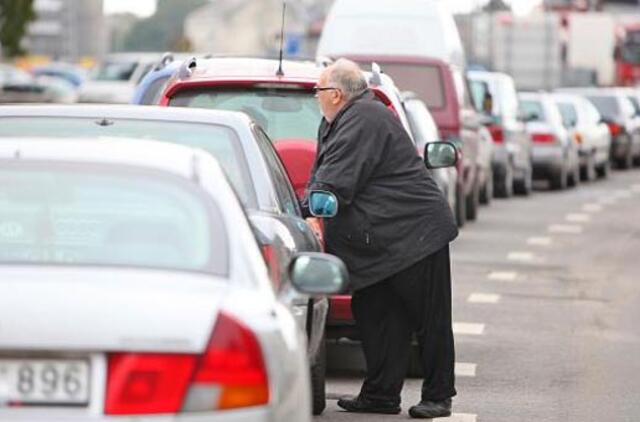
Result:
x=504 y=186
x=604 y=169
x=559 y=180
x=486 y=193
x=461 y=207
x=473 y=202
x=626 y=162
x=524 y=186
x=318 y=380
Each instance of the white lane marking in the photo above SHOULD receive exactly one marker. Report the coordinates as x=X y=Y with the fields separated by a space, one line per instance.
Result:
x=483 y=298
x=539 y=241
x=520 y=256
x=622 y=193
x=468 y=328
x=459 y=417
x=592 y=207
x=608 y=200
x=578 y=218
x=463 y=369
x=503 y=275
x=565 y=228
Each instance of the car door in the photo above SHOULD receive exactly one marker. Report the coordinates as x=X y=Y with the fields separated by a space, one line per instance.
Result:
x=290 y=234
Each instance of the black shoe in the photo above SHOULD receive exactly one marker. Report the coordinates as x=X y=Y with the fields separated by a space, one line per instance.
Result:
x=363 y=405
x=431 y=409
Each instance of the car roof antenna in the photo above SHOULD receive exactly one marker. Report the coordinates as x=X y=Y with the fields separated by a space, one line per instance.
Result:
x=284 y=9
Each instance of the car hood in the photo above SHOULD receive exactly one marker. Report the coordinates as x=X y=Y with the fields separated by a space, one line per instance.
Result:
x=107 y=310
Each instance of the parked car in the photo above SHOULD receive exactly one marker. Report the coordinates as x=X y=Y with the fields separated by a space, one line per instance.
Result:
x=115 y=79
x=495 y=96
x=424 y=131
x=75 y=75
x=249 y=161
x=18 y=86
x=152 y=85
x=586 y=127
x=133 y=287
x=618 y=113
x=555 y=154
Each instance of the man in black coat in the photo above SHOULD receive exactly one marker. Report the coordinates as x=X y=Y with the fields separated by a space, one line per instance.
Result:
x=392 y=230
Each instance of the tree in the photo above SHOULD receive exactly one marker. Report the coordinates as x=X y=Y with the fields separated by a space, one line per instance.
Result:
x=163 y=30
x=15 y=15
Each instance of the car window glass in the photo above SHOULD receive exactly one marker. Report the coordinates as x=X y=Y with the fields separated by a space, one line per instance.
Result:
x=479 y=91
x=534 y=109
x=426 y=81
x=222 y=142
x=282 y=113
x=99 y=215
x=568 y=112
x=592 y=112
x=154 y=90
x=114 y=71
x=146 y=68
x=282 y=184
x=634 y=103
x=607 y=106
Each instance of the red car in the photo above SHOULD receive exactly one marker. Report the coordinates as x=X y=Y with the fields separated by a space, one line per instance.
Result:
x=285 y=106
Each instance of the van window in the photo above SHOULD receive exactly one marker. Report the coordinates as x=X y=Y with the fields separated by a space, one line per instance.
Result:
x=425 y=80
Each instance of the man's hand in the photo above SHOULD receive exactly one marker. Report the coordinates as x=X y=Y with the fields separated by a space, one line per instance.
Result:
x=317 y=227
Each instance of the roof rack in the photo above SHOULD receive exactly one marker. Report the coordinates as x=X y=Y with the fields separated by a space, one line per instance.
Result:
x=186 y=69
x=164 y=61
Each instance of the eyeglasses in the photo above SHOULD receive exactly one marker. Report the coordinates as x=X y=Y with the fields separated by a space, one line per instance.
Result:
x=317 y=89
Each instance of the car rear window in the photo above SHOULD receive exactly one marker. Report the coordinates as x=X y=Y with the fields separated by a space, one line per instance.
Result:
x=424 y=80
x=283 y=113
x=97 y=215
x=221 y=141
x=568 y=112
x=607 y=105
x=114 y=71
x=534 y=109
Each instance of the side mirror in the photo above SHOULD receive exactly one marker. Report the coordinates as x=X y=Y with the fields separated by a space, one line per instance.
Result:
x=323 y=204
x=440 y=154
x=317 y=273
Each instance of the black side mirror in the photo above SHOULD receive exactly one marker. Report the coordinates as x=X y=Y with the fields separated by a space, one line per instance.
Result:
x=440 y=154
x=318 y=274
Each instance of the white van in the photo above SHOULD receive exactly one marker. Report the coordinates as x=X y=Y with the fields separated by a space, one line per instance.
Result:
x=418 y=28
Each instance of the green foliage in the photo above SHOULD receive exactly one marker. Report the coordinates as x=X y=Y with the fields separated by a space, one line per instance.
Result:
x=163 y=30
x=14 y=17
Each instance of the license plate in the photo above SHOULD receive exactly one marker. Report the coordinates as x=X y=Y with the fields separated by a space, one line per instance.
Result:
x=44 y=382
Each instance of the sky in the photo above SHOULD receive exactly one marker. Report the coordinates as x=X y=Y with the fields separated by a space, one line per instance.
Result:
x=145 y=8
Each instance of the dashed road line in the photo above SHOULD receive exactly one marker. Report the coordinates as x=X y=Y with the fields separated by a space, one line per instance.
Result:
x=539 y=241
x=464 y=369
x=468 y=328
x=483 y=298
x=565 y=228
x=592 y=207
x=578 y=218
x=503 y=275
x=521 y=256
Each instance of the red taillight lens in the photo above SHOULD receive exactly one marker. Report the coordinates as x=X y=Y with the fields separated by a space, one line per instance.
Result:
x=147 y=383
x=543 y=138
x=614 y=128
x=233 y=364
x=496 y=133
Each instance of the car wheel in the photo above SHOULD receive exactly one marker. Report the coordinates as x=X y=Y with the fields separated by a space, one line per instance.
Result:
x=486 y=193
x=473 y=202
x=504 y=187
x=461 y=207
x=604 y=169
x=627 y=161
x=318 y=384
x=559 y=180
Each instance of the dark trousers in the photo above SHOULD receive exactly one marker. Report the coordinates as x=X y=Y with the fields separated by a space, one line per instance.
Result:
x=387 y=314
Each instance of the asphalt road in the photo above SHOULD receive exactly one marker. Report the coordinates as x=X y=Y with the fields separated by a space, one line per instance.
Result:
x=546 y=294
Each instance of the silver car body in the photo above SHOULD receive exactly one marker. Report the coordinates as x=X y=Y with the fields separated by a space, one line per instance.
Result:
x=65 y=310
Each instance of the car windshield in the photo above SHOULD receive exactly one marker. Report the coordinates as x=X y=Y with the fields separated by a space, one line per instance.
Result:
x=568 y=112
x=283 y=113
x=114 y=71
x=99 y=215
x=218 y=140
x=533 y=109
x=424 y=80
x=607 y=105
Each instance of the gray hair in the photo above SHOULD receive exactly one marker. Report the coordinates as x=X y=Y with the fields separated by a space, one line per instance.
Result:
x=347 y=76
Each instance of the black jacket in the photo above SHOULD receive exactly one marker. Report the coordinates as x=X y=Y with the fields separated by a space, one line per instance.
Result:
x=391 y=213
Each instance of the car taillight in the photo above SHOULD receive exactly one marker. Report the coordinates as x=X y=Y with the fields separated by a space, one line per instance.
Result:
x=140 y=384
x=543 y=138
x=496 y=133
x=231 y=373
x=614 y=128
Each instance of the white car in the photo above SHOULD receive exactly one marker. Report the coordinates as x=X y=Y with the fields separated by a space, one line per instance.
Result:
x=115 y=79
x=133 y=289
x=587 y=128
